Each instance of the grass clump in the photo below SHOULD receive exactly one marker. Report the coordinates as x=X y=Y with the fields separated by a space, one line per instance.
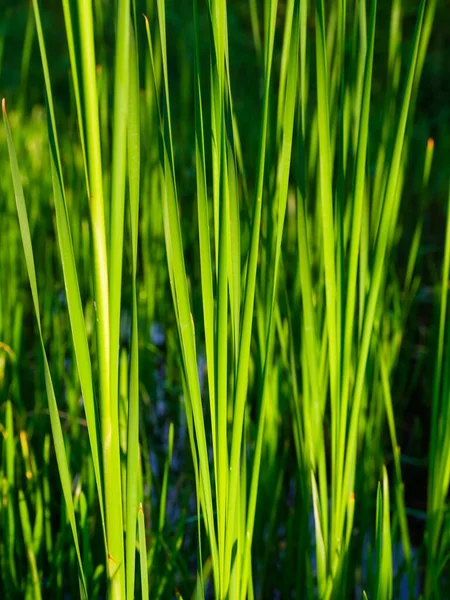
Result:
x=288 y=281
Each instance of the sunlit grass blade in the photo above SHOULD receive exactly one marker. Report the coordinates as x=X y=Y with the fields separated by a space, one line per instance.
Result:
x=76 y=82
x=204 y=238
x=383 y=542
x=399 y=486
x=326 y=197
x=359 y=198
x=81 y=347
x=27 y=536
x=143 y=554
x=164 y=487
x=108 y=407
x=321 y=544
x=117 y=215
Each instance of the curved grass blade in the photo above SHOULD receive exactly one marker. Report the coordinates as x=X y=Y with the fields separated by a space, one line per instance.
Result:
x=58 y=438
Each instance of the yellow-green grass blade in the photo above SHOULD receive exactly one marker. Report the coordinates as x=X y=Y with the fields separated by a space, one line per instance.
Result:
x=108 y=408
x=204 y=241
x=143 y=554
x=79 y=336
x=321 y=543
x=310 y=324
x=226 y=283
x=199 y=495
x=222 y=354
x=47 y=499
x=234 y=239
x=232 y=165
x=310 y=333
x=76 y=83
x=118 y=180
x=38 y=526
x=326 y=198
x=325 y=108
x=27 y=538
x=359 y=198
x=165 y=481
x=283 y=68
x=383 y=589
x=58 y=438
x=394 y=66
x=303 y=95
x=202 y=578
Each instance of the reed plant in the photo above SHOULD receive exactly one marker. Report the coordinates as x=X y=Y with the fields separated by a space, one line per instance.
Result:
x=282 y=264
x=102 y=416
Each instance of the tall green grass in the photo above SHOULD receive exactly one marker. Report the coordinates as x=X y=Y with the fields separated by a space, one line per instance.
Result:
x=286 y=276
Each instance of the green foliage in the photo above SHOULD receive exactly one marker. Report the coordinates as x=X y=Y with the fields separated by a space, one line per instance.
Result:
x=255 y=207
